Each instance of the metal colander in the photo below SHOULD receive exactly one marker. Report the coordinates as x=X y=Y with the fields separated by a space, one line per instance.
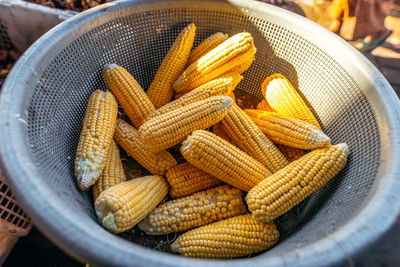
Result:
x=43 y=103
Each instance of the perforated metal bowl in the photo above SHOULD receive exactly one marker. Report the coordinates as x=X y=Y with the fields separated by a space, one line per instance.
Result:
x=44 y=98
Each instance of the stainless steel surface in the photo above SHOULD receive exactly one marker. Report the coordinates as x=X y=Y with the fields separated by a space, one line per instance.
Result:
x=43 y=101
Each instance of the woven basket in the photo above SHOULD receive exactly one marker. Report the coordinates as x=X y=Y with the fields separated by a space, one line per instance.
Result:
x=14 y=223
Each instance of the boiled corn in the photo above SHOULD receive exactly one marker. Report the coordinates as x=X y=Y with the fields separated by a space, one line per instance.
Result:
x=129 y=93
x=95 y=139
x=232 y=95
x=128 y=138
x=247 y=136
x=230 y=238
x=193 y=211
x=219 y=131
x=288 y=131
x=245 y=65
x=160 y=91
x=291 y=153
x=218 y=87
x=186 y=179
x=206 y=46
x=263 y=105
x=122 y=206
x=173 y=127
x=285 y=100
x=113 y=172
x=222 y=59
x=223 y=160
x=286 y=188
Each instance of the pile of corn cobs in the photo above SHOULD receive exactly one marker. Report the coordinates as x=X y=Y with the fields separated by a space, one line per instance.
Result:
x=238 y=156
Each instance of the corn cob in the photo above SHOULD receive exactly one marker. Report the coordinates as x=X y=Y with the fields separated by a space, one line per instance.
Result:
x=245 y=65
x=160 y=91
x=122 y=206
x=230 y=238
x=222 y=59
x=186 y=179
x=173 y=127
x=193 y=211
x=128 y=138
x=218 y=87
x=285 y=100
x=232 y=95
x=291 y=153
x=219 y=131
x=247 y=136
x=179 y=95
x=286 y=188
x=206 y=46
x=113 y=172
x=129 y=93
x=95 y=139
x=263 y=105
x=237 y=78
x=288 y=131
x=223 y=160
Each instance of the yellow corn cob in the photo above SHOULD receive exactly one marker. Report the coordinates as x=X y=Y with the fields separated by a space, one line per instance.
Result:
x=129 y=93
x=160 y=91
x=237 y=79
x=206 y=46
x=219 y=131
x=285 y=100
x=113 y=172
x=286 y=188
x=179 y=95
x=230 y=238
x=122 y=206
x=95 y=139
x=232 y=95
x=237 y=70
x=193 y=211
x=247 y=136
x=291 y=153
x=288 y=131
x=186 y=179
x=218 y=87
x=263 y=105
x=223 y=160
x=173 y=127
x=222 y=59
x=245 y=65
x=129 y=139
